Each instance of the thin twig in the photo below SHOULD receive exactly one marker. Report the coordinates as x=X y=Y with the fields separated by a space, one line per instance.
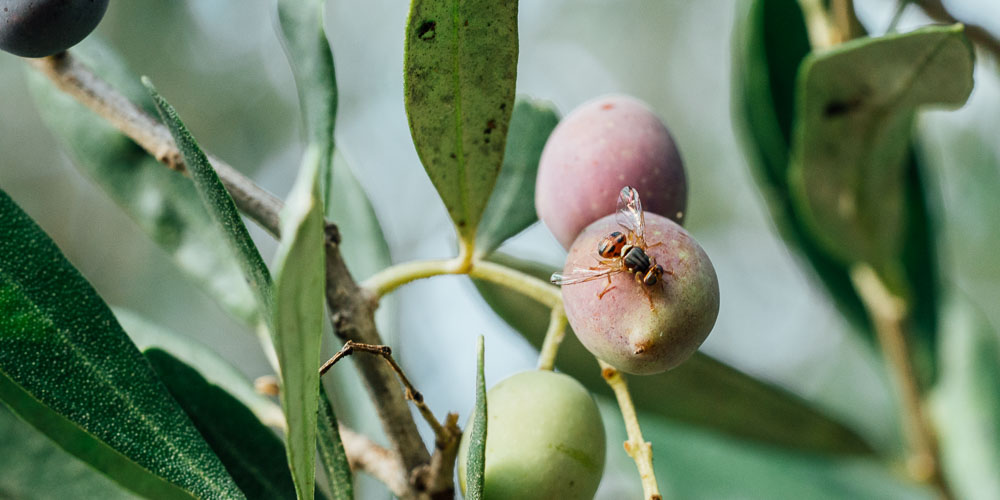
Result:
x=890 y=317
x=639 y=449
x=897 y=15
x=979 y=35
x=411 y=392
x=76 y=79
x=365 y=455
x=352 y=310
x=434 y=480
x=553 y=338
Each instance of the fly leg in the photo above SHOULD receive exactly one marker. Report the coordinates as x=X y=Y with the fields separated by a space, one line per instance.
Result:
x=606 y=289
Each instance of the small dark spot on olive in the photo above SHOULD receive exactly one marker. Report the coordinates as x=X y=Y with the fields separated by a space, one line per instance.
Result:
x=426 y=31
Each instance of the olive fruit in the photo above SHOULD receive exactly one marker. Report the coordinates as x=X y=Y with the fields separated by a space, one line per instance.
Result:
x=544 y=439
x=601 y=146
x=39 y=28
x=636 y=327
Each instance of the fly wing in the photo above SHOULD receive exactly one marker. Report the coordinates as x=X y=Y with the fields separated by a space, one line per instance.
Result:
x=581 y=274
x=629 y=214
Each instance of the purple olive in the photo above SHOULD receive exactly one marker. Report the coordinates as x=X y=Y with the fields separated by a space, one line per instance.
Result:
x=39 y=28
x=643 y=328
x=601 y=146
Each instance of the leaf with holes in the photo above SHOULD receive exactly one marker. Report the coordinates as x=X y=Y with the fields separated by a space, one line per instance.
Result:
x=68 y=369
x=511 y=208
x=460 y=66
x=853 y=124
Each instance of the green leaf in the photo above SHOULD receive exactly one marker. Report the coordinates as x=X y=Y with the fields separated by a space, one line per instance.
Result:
x=693 y=464
x=331 y=452
x=689 y=393
x=363 y=247
x=68 y=369
x=769 y=43
x=852 y=135
x=299 y=303
x=211 y=366
x=161 y=201
x=40 y=469
x=217 y=201
x=476 y=460
x=250 y=451
x=459 y=70
x=511 y=208
x=966 y=403
x=301 y=27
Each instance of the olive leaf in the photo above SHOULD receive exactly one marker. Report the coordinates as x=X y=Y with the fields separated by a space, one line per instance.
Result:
x=162 y=202
x=68 y=369
x=511 y=208
x=460 y=67
x=966 y=403
x=299 y=312
x=475 y=470
x=217 y=202
x=854 y=118
x=252 y=454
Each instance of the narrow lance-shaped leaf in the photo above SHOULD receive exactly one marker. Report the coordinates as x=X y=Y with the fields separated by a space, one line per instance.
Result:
x=689 y=393
x=252 y=454
x=214 y=368
x=41 y=469
x=966 y=404
x=331 y=451
x=852 y=135
x=68 y=369
x=217 y=201
x=769 y=43
x=298 y=318
x=511 y=208
x=308 y=52
x=460 y=67
x=162 y=202
x=475 y=471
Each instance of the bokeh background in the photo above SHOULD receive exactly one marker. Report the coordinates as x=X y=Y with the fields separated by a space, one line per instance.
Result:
x=221 y=64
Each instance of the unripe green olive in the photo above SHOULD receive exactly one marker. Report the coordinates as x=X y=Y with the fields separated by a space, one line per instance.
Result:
x=544 y=439
x=602 y=145
x=638 y=328
x=39 y=28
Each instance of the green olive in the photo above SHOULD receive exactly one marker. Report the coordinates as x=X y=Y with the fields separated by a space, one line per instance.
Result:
x=544 y=439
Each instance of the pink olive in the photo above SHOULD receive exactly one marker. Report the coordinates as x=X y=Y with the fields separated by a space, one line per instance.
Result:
x=635 y=327
x=601 y=146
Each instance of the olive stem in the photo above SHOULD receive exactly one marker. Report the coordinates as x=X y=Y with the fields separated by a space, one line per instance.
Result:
x=389 y=279
x=890 y=316
x=553 y=338
x=539 y=290
x=822 y=33
x=639 y=449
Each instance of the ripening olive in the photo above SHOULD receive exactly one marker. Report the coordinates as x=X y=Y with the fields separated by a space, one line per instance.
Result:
x=601 y=146
x=544 y=439
x=636 y=327
x=39 y=28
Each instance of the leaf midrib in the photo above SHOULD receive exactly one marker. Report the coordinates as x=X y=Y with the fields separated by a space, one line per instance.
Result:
x=104 y=378
x=463 y=188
